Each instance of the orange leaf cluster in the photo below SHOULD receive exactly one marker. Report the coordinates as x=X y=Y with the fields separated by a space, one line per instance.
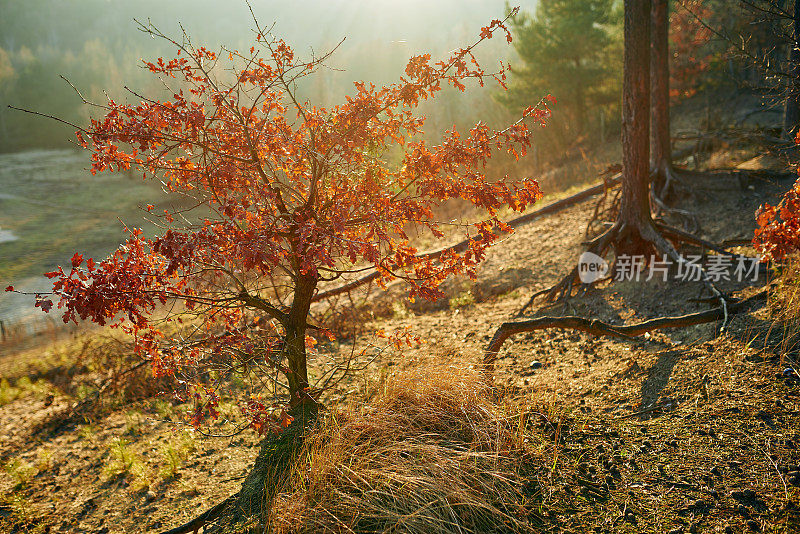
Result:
x=778 y=227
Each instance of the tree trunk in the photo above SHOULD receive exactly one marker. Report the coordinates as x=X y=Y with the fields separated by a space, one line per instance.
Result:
x=295 y=338
x=635 y=233
x=635 y=223
x=791 y=112
x=580 y=125
x=659 y=75
x=251 y=506
x=249 y=509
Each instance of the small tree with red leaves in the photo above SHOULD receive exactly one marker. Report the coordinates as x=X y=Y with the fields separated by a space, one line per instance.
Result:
x=295 y=194
x=778 y=227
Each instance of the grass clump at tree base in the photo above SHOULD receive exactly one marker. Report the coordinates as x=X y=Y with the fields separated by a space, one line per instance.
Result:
x=431 y=453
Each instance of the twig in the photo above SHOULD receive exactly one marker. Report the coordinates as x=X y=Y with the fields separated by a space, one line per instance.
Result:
x=653 y=408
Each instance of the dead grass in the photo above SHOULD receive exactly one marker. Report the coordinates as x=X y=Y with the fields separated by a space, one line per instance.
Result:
x=431 y=453
x=785 y=312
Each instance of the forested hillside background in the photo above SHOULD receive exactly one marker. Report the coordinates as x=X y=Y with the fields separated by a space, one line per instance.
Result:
x=97 y=47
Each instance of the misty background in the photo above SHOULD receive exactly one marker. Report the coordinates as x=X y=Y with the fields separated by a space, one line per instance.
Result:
x=52 y=207
x=97 y=46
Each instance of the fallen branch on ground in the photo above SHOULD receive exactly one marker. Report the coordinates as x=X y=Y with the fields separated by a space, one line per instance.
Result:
x=551 y=208
x=731 y=136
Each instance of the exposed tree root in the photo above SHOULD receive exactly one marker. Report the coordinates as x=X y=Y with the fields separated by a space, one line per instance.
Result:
x=667 y=181
x=603 y=212
x=563 y=289
x=677 y=235
x=600 y=244
x=670 y=183
x=599 y=328
x=272 y=465
x=655 y=235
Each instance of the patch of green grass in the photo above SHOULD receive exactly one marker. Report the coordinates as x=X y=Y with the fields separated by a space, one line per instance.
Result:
x=20 y=472
x=399 y=311
x=133 y=423
x=175 y=453
x=8 y=393
x=516 y=293
x=462 y=300
x=125 y=462
x=163 y=408
x=44 y=459
x=122 y=458
x=84 y=391
x=88 y=432
x=20 y=507
x=22 y=387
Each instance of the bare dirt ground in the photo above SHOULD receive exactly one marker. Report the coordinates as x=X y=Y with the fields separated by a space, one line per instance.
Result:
x=679 y=431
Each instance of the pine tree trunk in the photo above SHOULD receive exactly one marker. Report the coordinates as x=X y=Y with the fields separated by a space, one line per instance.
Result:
x=580 y=111
x=634 y=217
x=659 y=75
x=791 y=114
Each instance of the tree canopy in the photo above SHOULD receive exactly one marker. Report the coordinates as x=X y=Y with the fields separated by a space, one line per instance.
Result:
x=296 y=194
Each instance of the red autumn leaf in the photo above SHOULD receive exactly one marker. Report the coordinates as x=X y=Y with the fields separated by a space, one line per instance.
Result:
x=77 y=259
x=44 y=303
x=285 y=419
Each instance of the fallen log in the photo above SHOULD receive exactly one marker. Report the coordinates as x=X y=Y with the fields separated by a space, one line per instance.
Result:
x=549 y=209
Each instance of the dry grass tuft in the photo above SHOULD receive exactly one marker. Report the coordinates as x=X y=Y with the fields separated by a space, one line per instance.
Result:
x=431 y=453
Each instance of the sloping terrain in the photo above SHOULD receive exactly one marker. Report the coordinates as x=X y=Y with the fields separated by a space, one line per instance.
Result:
x=679 y=431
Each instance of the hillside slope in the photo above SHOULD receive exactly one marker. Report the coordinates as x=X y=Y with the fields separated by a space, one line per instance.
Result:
x=675 y=432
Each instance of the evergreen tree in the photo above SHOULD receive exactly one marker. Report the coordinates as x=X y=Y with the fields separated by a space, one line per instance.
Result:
x=566 y=48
